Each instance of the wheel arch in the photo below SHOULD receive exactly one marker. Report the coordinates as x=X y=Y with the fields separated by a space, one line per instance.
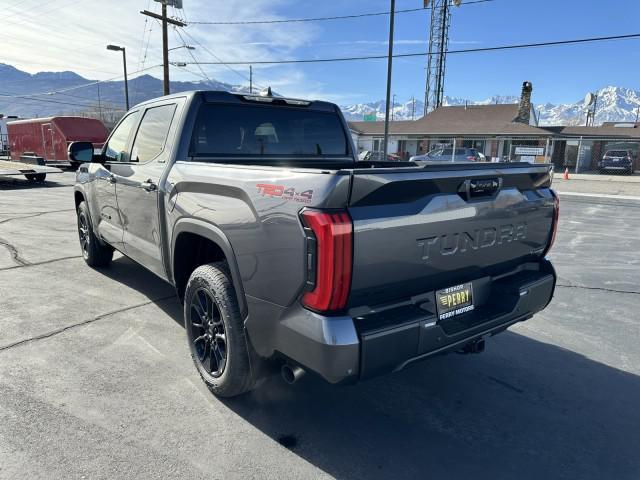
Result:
x=195 y=242
x=78 y=197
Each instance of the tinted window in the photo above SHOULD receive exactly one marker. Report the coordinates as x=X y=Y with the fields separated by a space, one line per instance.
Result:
x=265 y=131
x=152 y=133
x=616 y=153
x=115 y=151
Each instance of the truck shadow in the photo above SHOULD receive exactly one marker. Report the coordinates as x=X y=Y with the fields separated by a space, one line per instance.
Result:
x=127 y=272
x=523 y=409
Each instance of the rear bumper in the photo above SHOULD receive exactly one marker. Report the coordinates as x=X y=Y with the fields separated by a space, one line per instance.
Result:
x=374 y=341
x=622 y=165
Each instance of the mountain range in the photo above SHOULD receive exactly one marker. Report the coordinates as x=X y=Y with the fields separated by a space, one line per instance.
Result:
x=32 y=95
x=614 y=104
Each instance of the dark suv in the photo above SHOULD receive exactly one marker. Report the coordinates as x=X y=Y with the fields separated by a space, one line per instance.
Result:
x=617 y=160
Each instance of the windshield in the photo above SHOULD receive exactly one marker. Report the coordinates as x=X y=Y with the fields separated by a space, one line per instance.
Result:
x=266 y=131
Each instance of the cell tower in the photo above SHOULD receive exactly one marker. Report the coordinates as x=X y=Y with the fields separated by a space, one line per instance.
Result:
x=438 y=43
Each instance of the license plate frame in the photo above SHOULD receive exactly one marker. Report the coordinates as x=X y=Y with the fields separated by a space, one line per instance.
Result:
x=454 y=301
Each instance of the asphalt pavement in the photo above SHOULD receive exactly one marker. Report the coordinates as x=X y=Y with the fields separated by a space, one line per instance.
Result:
x=96 y=379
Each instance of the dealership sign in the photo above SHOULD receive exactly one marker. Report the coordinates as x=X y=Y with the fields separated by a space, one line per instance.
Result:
x=530 y=151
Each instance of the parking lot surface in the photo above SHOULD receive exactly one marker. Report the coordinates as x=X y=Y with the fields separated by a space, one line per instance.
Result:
x=96 y=379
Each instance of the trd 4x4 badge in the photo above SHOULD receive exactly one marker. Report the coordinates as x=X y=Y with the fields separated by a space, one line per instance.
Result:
x=286 y=193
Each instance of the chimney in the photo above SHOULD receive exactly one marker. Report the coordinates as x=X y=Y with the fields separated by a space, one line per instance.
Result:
x=524 y=109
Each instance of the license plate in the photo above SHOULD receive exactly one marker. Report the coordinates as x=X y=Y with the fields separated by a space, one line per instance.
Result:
x=454 y=301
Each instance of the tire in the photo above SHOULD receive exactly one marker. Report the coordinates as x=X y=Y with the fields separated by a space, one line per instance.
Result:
x=95 y=253
x=36 y=177
x=215 y=331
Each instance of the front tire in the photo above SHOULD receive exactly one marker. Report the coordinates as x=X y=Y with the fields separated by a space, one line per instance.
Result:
x=94 y=252
x=215 y=331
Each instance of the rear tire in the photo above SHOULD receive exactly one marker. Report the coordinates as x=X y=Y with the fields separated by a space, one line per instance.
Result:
x=95 y=253
x=215 y=331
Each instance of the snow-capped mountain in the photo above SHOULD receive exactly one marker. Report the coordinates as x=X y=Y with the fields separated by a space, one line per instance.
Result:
x=614 y=104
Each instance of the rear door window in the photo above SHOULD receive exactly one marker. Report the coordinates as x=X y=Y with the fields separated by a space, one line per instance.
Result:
x=152 y=134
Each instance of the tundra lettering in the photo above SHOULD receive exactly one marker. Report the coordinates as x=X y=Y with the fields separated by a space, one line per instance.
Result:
x=454 y=243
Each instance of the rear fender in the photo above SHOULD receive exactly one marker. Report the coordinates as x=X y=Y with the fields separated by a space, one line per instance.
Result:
x=217 y=236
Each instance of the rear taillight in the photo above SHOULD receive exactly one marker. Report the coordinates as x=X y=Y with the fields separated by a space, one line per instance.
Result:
x=554 y=226
x=471 y=158
x=329 y=257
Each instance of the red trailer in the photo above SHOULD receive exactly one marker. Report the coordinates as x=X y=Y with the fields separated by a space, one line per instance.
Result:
x=49 y=137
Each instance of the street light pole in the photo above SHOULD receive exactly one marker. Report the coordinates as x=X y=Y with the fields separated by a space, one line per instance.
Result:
x=116 y=48
x=126 y=80
x=389 y=70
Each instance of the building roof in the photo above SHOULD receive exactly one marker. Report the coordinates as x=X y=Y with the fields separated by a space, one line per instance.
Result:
x=606 y=130
x=471 y=120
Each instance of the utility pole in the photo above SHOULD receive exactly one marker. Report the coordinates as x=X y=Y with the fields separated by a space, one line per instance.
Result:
x=389 y=70
x=250 y=79
x=165 y=41
x=413 y=108
x=393 y=107
x=165 y=51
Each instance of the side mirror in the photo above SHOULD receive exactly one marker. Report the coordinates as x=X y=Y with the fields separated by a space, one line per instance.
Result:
x=81 y=152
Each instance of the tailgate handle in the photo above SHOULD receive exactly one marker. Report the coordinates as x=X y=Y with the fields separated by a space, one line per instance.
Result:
x=480 y=187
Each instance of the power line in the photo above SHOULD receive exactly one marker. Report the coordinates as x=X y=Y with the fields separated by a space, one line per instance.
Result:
x=320 y=19
x=424 y=54
x=46 y=100
x=204 y=75
x=220 y=61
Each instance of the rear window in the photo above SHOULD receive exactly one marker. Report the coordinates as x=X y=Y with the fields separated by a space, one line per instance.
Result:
x=266 y=131
x=449 y=151
x=617 y=153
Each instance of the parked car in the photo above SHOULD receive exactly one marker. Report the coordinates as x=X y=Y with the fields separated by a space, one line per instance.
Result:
x=287 y=252
x=617 y=160
x=49 y=138
x=447 y=155
x=370 y=156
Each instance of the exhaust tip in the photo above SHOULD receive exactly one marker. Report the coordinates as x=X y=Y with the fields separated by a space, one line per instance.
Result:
x=475 y=346
x=291 y=374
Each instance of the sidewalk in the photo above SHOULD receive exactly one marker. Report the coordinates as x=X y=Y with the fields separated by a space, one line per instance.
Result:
x=596 y=177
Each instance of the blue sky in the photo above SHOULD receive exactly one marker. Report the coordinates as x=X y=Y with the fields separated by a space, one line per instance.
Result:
x=559 y=74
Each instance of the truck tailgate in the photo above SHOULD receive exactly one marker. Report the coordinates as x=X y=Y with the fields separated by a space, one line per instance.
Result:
x=418 y=230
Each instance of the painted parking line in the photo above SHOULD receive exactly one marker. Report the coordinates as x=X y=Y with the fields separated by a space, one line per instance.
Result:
x=600 y=195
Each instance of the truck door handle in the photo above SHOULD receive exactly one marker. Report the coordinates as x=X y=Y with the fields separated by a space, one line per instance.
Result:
x=149 y=186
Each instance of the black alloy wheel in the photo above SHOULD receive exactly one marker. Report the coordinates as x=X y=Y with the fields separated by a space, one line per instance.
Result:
x=208 y=332
x=83 y=234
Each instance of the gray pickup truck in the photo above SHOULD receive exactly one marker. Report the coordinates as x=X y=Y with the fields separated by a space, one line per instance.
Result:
x=289 y=253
